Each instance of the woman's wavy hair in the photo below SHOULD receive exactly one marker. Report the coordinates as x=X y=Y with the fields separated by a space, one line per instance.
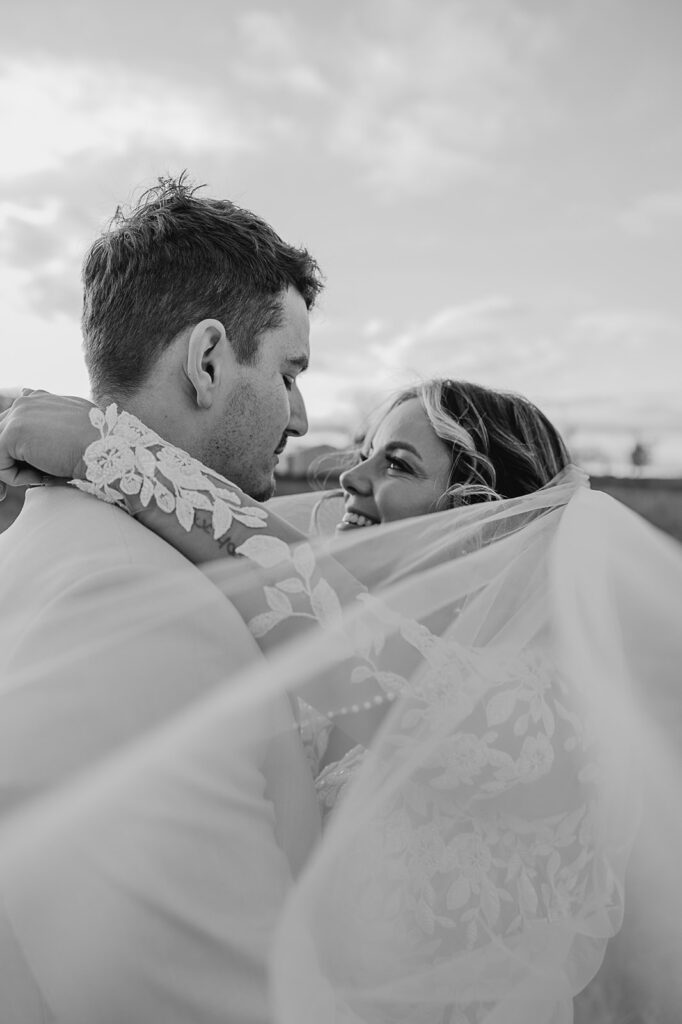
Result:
x=501 y=445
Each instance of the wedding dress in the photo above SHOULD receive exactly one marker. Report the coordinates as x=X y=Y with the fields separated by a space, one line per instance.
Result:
x=500 y=685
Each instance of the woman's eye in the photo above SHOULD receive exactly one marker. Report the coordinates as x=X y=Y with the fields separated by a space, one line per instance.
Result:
x=394 y=463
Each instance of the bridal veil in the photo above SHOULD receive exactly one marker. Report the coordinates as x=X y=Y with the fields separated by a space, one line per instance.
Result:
x=506 y=678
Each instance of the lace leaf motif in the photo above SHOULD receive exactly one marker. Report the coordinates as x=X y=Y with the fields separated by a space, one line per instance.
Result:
x=130 y=459
x=459 y=856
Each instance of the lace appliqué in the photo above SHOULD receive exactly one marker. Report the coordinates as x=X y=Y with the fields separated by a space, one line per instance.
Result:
x=320 y=602
x=497 y=829
x=130 y=459
x=363 y=627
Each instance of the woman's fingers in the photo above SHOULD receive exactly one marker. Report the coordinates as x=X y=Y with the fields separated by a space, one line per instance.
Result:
x=15 y=468
x=43 y=435
x=13 y=471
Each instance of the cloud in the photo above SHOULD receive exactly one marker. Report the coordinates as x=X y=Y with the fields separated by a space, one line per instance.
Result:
x=608 y=367
x=619 y=363
x=413 y=99
x=471 y=338
x=623 y=326
x=53 y=112
x=425 y=100
x=37 y=353
x=652 y=213
x=355 y=366
x=480 y=317
x=79 y=134
x=43 y=253
x=271 y=56
x=25 y=235
x=72 y=130
x=374 y=327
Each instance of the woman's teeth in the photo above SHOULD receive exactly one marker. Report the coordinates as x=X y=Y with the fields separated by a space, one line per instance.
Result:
x=354 y=519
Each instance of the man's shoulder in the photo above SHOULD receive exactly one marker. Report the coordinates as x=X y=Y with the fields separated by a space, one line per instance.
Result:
x=59 y=523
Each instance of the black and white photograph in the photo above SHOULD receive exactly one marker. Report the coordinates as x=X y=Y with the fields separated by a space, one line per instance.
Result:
x=341 y=512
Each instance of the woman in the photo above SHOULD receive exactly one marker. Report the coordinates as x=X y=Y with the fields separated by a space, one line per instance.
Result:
x=481 y=657
x=472 y=444
x=447 y=444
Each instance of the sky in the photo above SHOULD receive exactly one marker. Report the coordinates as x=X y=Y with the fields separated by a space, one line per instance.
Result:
x=493 y=188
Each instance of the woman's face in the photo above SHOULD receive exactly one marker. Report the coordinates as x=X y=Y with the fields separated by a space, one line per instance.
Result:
x=403 y=473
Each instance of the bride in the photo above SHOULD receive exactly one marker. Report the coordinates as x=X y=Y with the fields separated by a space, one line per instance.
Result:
x=484 y=660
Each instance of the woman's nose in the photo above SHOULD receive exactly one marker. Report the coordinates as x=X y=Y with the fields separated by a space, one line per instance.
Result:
x=357 y=479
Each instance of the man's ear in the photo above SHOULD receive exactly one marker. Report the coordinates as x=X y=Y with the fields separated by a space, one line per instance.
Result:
x=209 y=357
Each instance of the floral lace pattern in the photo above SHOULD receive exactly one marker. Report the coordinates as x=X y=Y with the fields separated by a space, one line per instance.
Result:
x=495 y=833
x=474 y=856
x=493 y=829
x=130 y=459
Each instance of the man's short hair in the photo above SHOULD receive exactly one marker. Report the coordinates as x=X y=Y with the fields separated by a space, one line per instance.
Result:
x=172 y=260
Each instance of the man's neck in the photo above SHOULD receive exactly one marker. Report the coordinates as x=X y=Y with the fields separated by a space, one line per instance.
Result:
x=165 y=414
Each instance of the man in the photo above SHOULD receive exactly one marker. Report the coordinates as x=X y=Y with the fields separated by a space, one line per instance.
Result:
x=195 y=319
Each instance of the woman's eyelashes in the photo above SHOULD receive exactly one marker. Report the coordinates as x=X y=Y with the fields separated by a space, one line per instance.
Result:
x=393 y=462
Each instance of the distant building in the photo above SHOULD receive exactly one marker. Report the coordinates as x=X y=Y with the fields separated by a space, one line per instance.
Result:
x=304 y=462
x=640 y=456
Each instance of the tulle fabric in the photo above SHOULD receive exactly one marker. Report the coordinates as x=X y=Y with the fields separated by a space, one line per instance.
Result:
x=510 y=673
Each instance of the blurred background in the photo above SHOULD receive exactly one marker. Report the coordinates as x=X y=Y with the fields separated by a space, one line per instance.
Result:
x=493 y=189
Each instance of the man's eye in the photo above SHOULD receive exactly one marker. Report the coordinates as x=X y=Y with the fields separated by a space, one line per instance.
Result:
x=288 y=381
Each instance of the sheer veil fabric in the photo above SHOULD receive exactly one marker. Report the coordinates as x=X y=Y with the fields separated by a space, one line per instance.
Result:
x=506 y=679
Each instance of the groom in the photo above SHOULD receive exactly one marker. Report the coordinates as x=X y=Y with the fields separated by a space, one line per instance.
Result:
x=195 y=319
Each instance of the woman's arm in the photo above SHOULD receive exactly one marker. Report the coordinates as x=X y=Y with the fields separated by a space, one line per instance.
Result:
x=202 y=514
x=115 y=457
x=288 y=588
x=48 y=438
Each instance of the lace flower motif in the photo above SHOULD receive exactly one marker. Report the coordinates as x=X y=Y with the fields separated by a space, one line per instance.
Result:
x=130 y=459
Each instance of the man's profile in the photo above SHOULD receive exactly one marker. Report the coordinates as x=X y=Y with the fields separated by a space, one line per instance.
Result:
x=195 y=319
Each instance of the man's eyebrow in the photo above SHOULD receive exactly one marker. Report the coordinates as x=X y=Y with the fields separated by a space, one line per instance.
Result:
x=300 y=362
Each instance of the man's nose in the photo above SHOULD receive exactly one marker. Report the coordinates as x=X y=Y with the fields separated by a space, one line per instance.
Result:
x=298 y=417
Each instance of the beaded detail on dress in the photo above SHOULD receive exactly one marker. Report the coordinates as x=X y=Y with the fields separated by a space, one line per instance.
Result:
x=314 y=730
x=333 y=778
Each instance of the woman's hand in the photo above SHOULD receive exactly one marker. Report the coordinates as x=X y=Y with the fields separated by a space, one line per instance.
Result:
x=44 y=435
